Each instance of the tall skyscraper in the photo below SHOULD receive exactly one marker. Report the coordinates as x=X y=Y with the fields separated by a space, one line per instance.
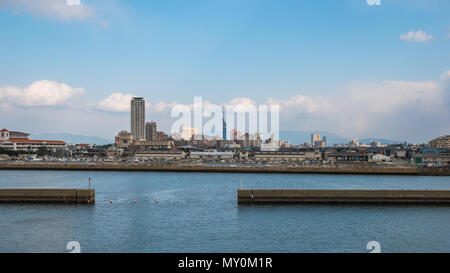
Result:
x=138 y=118
x=224 y=124
x=150 y=131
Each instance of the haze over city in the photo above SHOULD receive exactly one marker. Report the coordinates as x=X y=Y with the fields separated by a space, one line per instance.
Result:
x=346 y=67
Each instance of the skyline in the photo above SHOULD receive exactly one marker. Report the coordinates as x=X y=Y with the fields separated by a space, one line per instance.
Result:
x=72 y=68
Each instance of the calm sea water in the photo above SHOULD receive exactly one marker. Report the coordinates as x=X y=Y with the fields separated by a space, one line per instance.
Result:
x=208 y=219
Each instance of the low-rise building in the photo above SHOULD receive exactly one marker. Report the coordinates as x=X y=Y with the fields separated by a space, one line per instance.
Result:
x=156 y=144
x=441 y=142
x=6 y=134
x=298 y=156
x=211 y=155
x=400 y=154
x=114 y=152
x=270 y=147
x=231 y=145
x=18 y=141
x=160 y=155
x=442 y=158
x=123 y=139
x=350 y=155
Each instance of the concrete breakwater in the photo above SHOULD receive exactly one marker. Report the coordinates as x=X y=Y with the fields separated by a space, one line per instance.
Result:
x=246 y=196
x=47 y=196
x=230 y=169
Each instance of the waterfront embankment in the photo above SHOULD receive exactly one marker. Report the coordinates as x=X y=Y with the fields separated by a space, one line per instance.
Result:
x=436 y=197
x=47 y=196
x=362 y=170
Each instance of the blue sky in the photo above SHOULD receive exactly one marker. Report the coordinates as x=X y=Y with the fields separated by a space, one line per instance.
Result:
x=169 y=51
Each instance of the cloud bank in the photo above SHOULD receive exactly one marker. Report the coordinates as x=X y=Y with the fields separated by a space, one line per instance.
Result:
x=401 y=110
x=395 y=109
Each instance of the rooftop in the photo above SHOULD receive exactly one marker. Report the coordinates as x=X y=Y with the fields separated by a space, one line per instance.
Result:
x=14 y=140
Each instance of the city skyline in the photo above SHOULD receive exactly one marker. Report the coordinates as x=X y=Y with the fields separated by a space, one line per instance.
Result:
x=378 y=71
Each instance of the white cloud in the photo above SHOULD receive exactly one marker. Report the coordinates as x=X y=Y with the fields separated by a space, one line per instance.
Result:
x=116 y=102
x=39 y=93
x=73 y=2
x=161 y=106
x=242 y=101
x=242 y=104
x=445 y=77
x=416 y=36
x=395 y=108
x=120 y=102
x=305 y=104
x=60 y=9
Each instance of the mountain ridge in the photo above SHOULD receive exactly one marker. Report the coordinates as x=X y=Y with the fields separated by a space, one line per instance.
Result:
x=72 y=138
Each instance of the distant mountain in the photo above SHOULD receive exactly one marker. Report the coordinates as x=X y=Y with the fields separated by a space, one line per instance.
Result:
x=300 y=137
x=73 y=139
x=381 y=140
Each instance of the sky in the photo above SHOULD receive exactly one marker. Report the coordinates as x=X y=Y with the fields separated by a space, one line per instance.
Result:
x=357 y=68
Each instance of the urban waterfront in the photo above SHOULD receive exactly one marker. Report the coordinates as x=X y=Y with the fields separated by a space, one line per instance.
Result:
x=198 y=212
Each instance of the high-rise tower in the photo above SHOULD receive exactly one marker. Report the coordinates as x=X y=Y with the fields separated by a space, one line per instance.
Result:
x=315 y=139
x=138 y=118
x=224 y=124
x=150 y=131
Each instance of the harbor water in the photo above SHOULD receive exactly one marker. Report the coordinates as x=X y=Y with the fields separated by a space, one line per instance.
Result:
x=198 y=212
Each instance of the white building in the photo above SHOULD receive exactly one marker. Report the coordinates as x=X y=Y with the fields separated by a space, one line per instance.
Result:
x=354 y=143
x=188 y=133
x=381 y=158
x=270 y=147
x=315 y=139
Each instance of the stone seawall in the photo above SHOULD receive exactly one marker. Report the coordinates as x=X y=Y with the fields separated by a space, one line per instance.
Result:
x=343 y=196
x=47 y=196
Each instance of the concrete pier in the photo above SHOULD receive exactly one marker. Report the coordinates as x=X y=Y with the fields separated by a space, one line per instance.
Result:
x=246 y=196
x=47 y=196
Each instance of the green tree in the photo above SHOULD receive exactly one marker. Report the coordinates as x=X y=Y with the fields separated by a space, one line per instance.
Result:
x=42 y=151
